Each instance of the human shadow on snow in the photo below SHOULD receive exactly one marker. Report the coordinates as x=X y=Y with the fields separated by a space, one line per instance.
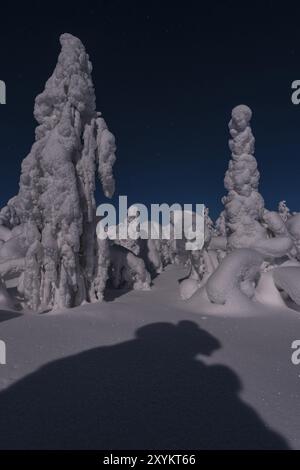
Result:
x=151 y=392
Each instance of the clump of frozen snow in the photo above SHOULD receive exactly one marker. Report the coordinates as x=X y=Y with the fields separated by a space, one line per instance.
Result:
x=284 y=211
x=293 y=228
x=239 y=270
x=266 y=291
x=128 y=269
x=288 y=279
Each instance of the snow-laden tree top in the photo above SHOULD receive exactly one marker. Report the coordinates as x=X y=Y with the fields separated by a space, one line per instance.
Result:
x=242 y=175
x=70 y=84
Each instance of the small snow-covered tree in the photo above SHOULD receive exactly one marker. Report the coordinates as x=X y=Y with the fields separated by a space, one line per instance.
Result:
x=128 y=269
x=147 y=243
x=65 y=263
x=284 y=211
x=202 y=262
x=220 y=225
x=243 y=204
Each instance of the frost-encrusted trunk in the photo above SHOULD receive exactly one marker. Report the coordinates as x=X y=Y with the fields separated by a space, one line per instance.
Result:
x=243 y=204
x=64 y=263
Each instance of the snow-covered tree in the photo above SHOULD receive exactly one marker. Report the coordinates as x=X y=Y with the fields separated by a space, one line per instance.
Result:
x=220 y=225
x=65 y=262
x=128 y=269
x=284 y=211
x=202 y=262
x=243 y=204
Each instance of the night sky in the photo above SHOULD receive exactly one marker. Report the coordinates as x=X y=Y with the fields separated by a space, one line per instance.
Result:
x=166 y=75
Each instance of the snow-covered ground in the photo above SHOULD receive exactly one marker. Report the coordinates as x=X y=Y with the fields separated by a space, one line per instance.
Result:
x=145 y=370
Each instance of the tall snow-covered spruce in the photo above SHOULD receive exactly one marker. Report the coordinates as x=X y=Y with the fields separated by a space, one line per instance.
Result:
x=55 y=208
x=244 y=205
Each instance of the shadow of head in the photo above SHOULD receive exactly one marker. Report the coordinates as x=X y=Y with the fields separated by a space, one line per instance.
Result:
x=185 y=338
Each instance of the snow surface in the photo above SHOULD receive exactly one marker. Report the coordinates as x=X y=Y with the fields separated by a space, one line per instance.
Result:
x=90 y=377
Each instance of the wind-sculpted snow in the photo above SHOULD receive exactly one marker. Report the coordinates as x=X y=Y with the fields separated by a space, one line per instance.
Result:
x=12 y=268
x=274 y=247
x=238 y=270
x=5 y=233
x=148 y=245
x=57 y=187
x=218 y=243
x=293 y=227
x=288 y=279
x=128 y=269
x=284 y=211
x=266 y=291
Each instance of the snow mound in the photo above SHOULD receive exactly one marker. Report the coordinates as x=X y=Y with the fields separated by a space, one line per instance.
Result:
x=288 y=279
x=266 y=291
x=188 y=287
x=236 y=272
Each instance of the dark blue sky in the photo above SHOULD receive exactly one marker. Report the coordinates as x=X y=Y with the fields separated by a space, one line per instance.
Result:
x=166 y=74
